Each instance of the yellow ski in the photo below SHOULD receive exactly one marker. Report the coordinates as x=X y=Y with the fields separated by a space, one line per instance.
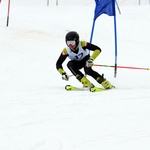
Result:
x=93 y=89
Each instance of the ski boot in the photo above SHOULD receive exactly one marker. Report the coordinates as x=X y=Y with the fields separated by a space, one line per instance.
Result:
x=106 y=84
x=86 y=83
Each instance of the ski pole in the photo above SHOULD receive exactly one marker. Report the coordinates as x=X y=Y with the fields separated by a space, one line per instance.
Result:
x=125 y=67
x=8 y=12
x=70 y=75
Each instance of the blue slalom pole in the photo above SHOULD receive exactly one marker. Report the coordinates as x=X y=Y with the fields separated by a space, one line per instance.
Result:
x=93 y=26
x=115 y=34
x=115 y=30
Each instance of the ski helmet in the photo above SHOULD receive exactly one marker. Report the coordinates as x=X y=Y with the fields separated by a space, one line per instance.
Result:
x=72 y=36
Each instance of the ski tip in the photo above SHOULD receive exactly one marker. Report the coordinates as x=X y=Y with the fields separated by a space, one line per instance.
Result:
x=68 y=87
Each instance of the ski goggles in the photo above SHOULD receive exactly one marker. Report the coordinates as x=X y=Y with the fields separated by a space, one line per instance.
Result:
x=71 y=43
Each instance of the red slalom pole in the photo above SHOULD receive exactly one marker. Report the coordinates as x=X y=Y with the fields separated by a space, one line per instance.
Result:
x=125 y=67
x=8 y=13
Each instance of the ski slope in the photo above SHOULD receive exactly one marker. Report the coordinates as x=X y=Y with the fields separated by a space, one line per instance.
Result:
x=36 y=113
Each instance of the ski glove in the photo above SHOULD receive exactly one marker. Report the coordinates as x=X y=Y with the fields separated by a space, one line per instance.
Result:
x=89 y=62
x=65 y=76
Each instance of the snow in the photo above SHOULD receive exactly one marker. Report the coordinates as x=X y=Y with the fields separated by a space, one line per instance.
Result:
x=36 y=113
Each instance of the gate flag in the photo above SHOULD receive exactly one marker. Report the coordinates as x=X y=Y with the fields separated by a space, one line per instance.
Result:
x=104 y=7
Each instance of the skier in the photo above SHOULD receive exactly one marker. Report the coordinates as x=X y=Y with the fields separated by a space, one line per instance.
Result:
x=78 y=52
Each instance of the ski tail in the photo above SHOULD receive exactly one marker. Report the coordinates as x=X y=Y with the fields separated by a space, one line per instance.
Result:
x=97 y=89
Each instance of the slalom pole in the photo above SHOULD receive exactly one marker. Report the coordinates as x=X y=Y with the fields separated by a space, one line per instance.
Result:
x=47 y=2
x=8 y=13
x=56 y=2
x=118 y=7
x=139 y=2
x=115 y=35
x=125 y=67
x=93 y=26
